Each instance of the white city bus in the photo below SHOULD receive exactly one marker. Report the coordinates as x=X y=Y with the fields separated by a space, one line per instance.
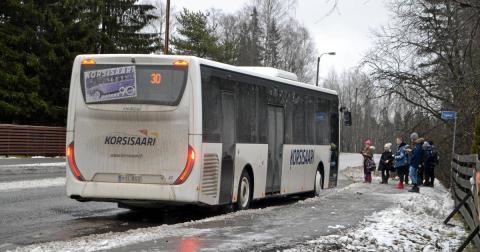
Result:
x=156 y=129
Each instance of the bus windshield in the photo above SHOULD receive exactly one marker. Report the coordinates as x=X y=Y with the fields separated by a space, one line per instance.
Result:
x=132 y=84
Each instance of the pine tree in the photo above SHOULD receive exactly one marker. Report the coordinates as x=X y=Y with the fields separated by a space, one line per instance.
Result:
x=250 y=46
x=272 y=43
x=19 y=78
x=40 y=39
x=67 y=32
x=195 y=36
x=121 y=23
x=243 y=58
x=256 y=48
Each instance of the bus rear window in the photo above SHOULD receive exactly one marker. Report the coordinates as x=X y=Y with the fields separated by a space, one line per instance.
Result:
x=132 y=84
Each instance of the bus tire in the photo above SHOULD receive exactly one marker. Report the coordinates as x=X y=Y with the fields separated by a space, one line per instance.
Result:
x=318 y=185
x=245 y=191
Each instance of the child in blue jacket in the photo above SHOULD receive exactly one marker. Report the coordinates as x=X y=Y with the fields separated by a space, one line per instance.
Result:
x=415 y=161
x=401 y=162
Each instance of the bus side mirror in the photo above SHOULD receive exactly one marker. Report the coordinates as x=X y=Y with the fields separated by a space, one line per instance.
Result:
x=347 y=118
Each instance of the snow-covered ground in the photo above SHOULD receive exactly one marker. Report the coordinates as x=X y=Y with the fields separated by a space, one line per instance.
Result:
x=356 y=217
x=414 y=222
x=31 y=184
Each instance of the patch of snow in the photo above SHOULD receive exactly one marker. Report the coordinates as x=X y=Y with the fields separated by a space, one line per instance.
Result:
x=35 y=164
x=415 y=223
x=27 y=184
x=38 y=157
x=336 y=227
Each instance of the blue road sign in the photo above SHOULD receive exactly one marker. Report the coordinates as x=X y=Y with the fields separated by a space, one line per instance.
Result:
x=448 y=115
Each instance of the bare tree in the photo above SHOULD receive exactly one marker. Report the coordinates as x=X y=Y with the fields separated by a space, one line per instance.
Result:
x=426 y=57
x=297 y=51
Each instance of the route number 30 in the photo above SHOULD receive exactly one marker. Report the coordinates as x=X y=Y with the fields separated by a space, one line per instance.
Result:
x=155 y=78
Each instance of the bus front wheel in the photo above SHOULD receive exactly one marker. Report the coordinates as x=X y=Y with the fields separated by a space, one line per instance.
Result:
x=245 y=192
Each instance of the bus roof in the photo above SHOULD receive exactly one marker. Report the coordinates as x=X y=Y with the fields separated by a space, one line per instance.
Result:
x=241 y=70
x=247 y=71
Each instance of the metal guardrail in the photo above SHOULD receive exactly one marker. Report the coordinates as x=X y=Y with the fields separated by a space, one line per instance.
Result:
x=466 y=181
x=32 y=140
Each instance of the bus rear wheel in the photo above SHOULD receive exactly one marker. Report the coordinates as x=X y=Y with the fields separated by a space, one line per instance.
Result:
x=318 y=183
x=245 y=192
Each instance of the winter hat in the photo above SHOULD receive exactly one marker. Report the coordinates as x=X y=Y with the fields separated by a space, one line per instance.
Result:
x=368 y=142
x=333 y=146
x=425 y=145
x=414 y=136
x=387 y=146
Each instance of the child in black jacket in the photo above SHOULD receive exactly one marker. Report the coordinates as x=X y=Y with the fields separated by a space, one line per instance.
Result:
x=386 y=163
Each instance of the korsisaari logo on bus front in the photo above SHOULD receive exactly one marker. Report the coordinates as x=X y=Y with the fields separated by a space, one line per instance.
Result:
x=142 y=138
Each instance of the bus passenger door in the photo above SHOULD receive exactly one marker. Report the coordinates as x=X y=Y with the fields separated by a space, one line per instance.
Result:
x=275 y=148
x=228 y=147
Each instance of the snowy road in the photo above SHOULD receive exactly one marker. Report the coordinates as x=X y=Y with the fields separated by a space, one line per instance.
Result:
x=36 y=214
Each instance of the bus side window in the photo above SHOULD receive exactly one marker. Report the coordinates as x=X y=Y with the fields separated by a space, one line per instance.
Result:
x=322 y=124
x=299 y=120
x=211 y=108
x=247 y=131
x=310 y=120
x=262 y=114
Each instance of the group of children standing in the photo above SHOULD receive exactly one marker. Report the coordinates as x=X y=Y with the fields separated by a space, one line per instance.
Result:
x=416 y=162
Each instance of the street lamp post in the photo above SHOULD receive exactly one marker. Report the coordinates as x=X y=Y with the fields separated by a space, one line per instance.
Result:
x=318 y=63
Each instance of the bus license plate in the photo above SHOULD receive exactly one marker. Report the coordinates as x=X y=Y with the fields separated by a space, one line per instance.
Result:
x=128 y=178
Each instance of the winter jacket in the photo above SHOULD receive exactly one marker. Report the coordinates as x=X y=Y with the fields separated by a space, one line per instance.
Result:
x=367 y=152
x=401 y=158
x=417 y=154
x=384 y=165
x=430 y=156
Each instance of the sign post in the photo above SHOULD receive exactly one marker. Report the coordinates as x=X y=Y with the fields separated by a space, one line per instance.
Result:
x=451 y=115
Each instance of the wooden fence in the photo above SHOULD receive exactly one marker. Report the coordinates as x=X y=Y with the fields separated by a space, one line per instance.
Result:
x=465 y=184
x=32 y=140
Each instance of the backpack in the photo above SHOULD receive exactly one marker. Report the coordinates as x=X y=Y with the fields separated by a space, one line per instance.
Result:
x=435 y=158
x=428 y=155
x=370 y=164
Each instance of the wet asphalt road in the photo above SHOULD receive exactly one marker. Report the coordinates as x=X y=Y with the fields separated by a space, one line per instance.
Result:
x=38 y=215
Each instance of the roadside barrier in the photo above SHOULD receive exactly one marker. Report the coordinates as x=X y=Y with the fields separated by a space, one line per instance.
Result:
x=465 y=184
x=32 y=140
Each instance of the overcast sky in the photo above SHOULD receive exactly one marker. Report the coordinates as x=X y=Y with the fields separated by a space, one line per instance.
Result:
x=347 y=31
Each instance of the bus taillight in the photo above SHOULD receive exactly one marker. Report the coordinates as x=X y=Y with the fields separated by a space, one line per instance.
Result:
x=72 y=164
x=188 y=167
